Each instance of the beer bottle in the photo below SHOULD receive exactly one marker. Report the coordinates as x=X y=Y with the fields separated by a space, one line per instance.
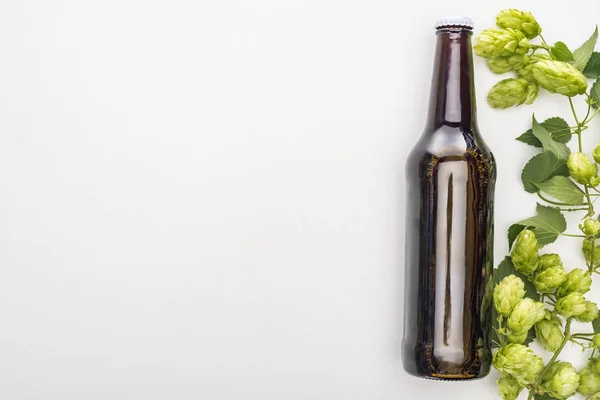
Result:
x=450 y=178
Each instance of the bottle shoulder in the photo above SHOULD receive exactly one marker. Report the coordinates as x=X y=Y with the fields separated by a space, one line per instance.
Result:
x=447 y=141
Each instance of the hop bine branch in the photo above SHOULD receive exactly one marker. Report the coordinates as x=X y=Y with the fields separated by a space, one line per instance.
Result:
x=535 y=297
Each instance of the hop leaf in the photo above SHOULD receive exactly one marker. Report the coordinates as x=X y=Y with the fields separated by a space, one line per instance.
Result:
x=501 y=43
x=559 y=77
x=548 y=280
x=590 y=227
x=525 y=252
x=561 y=380
x=573 y=304
x=549 y=335
x=581 y=168
x=509 y=388
x=508 y=293
x=518 y=361
x=526 y=313
x=589 y=382
x=520 y=20
x=578 y=280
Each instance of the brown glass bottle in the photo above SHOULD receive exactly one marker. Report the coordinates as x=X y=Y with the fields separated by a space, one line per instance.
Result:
x=450 y=178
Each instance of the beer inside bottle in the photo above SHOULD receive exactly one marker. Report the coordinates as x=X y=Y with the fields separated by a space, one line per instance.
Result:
x=450 y=177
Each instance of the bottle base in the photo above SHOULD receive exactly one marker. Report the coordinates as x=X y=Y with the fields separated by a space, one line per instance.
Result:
x=446 y=377
x=418 y=361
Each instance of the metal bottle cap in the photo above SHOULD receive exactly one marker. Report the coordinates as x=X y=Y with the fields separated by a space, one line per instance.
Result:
x=454 y=22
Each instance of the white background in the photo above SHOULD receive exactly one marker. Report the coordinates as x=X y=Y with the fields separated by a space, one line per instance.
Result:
x=204 y=199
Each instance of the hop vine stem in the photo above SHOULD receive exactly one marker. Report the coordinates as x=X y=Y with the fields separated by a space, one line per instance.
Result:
x=580 y=147
x=554 y=357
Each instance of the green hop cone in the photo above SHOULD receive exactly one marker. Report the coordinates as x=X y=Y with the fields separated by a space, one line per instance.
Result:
x=517 y=338
x=596 y=154
x=595 y=396
x=532 y=93
x=526 y=313
x=590 y=313
x=507 y=293
x=524 y=254
x=509 y=388
x=596 y=340
x=526 y=72
x=594 y=365
x=559 y=77
x=573 y=304
x=548 y=280
x=548 y=260
x=589 y=382
x=594 y=181
x=561 y=380
x=519 y=361
x=549 y=335
x=520 y=20
x=500 y=43
x=508 y=92
x=590 y=227
x=578 y=280
x=501 y=65
x=581 y=168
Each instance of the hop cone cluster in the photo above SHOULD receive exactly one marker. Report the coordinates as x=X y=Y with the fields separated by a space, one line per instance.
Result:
x=578 y=280
x=525 y=252
x=508 y=293
x=559 y=77
x=549 y=335
x=501 y=43
x=508 y=92
x=582 y=169
x=561 y=380
x=519 y=20
x=518 y=361
x=507 y=48
x=509 y=387
x=589 y=382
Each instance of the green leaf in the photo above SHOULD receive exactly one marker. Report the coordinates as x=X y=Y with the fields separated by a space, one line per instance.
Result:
x=596 y=324
x=556 y=126
x=563 y=189
x=544 y=396
x=582 y=55
x=546 y=225
x=530 y=336
x=558 y=129
x=592 y=68
x=595 y=93
x=541 y=168
x=560 y=150
x=513 y=232
x=561 y=52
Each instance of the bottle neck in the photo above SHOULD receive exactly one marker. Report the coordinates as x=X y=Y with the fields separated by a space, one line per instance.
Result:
x=452 y=99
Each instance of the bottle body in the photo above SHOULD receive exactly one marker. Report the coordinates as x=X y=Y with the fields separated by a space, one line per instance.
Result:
x=450 y=179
